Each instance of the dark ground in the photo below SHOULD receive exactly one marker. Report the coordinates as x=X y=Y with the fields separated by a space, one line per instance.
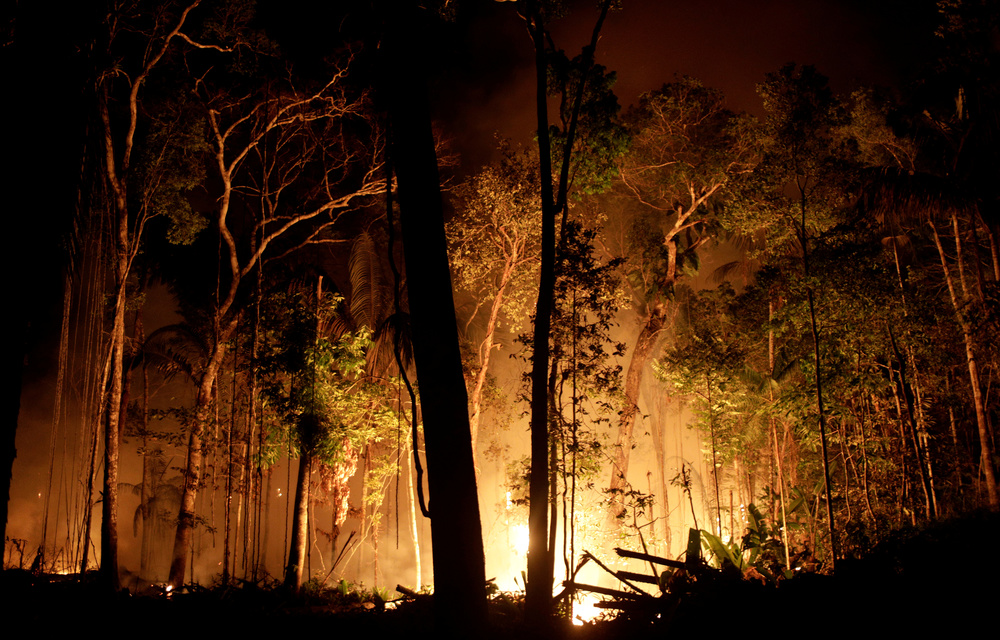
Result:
x=938 y=581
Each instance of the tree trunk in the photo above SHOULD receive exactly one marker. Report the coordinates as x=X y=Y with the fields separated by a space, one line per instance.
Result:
x=659 y=406
x=986 y=448
x=485 y=351
x=300 y=526
x=822 y=428
x=642 y=355
x=413 y=528
x=192 y=478
x=456 y=533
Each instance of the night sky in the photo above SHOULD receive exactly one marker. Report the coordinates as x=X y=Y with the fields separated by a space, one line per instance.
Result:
x=485 y=81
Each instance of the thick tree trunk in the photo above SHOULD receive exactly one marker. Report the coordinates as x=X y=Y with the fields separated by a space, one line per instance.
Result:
x=642 y=355
x=456 y=533
x=658 y=424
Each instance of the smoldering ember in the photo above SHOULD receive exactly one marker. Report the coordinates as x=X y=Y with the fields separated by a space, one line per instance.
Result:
x=474 y=319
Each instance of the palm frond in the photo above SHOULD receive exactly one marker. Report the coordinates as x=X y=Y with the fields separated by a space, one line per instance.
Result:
x=174 y=349
x=368 y=293
x=394 y=332
x=901 y=197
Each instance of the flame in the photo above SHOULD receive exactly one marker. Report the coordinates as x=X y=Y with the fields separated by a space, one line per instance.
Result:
x=586 y=609
x=519 y=539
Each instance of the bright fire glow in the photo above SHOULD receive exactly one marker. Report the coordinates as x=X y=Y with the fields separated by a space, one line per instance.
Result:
x=519 y=539
x=585 y=610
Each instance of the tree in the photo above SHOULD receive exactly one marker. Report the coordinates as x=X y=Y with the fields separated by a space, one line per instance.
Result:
x=289 y=163
x=705 y=364
x=802 y=183
x=456 y=531
x=686 y=147
x=584 y=381
x=132 y=204
x=538 y=591
x=320 y=390
x=493 y=242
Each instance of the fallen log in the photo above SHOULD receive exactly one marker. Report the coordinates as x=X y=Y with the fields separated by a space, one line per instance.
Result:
x=409 y=593
x=605 y=567
x=637 y=577
x=625 y=553
x=604 y=591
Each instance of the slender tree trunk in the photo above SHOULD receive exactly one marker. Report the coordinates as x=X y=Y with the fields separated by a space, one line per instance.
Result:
x=413 y=527
x=227 y=515
x=538 y=590
x=88 y=512
x=907 y=417
x=192 y=480
x=985 y=444
x=485 y=351
x=822 y=430
x=715 y=464
x=779 y=458
x=300 y=526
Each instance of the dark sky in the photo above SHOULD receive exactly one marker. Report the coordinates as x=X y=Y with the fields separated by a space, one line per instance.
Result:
x=485 y=79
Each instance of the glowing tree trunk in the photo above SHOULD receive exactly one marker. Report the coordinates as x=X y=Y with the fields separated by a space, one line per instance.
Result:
x=300 y=525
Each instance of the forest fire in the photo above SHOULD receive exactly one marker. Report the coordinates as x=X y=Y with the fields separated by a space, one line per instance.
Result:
x=270 y=337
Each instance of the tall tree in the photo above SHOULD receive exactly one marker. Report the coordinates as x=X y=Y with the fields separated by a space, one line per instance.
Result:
x=796 y=192
x=538 y=591
x=289 y=163
x=686 y=147
x=162 y=30
x=320 y=389
x=456 y=530
x=493 y=242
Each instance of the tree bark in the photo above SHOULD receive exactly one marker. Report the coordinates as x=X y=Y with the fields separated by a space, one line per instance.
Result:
x=456 y=533
x=642 y=354
x=986 y=448
x=485 y=351
x=300 y=526
x=192 y=479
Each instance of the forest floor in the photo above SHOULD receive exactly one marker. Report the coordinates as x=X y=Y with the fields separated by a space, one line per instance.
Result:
x=943 y=578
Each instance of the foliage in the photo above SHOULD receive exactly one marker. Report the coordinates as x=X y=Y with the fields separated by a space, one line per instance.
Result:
x=601 y=140
x=494 y=238
x=317 y=386
x=686 y=147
